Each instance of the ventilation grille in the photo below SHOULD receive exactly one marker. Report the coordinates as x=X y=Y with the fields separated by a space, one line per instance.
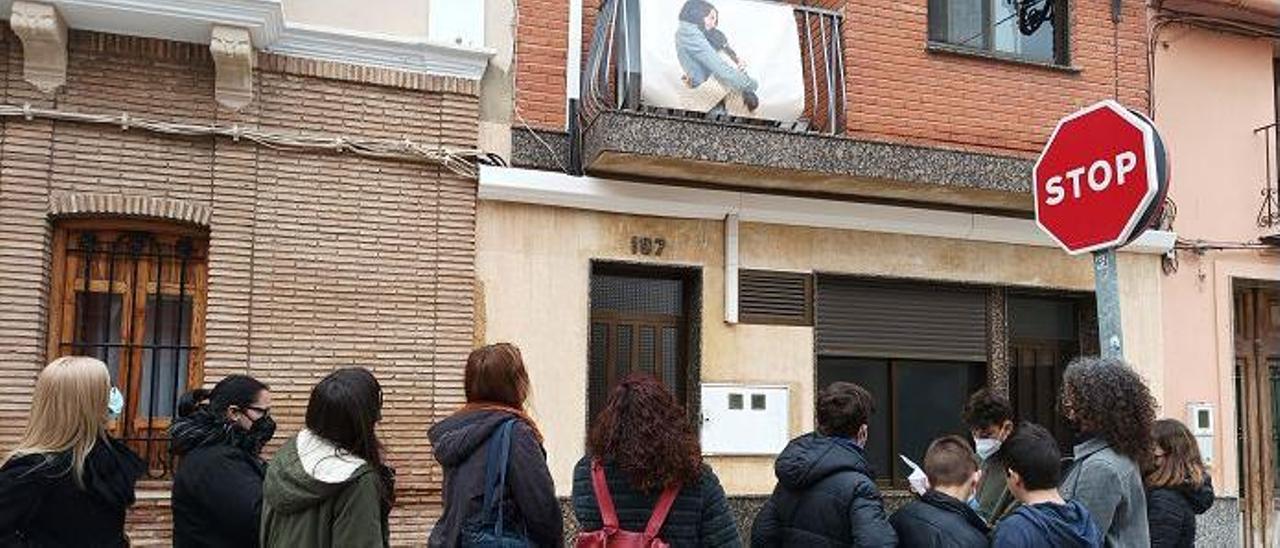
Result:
x=770 y=297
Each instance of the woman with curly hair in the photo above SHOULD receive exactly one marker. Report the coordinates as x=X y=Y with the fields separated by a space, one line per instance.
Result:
x=1110 y=406
x=645 y=443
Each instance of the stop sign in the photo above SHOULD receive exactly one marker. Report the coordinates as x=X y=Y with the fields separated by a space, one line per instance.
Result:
x=1098 y=178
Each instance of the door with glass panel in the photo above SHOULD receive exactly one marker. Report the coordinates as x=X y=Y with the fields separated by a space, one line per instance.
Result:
x=639 y=324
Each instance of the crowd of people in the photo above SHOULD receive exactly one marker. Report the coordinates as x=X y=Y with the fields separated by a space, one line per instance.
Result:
x=1131 y=481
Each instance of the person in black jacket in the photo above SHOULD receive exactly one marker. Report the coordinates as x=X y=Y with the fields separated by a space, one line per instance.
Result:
x=497 y=386
x=825 y=494
x=67 y=483
x=1178 y=486
x=941 y=518
x=217 y=489
x=646 y=443
x=1043 y=518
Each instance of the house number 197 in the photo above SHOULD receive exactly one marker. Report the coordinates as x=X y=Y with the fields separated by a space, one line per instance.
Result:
x=645 y=245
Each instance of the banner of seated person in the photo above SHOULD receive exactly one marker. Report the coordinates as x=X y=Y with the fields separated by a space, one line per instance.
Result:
x=734 y=57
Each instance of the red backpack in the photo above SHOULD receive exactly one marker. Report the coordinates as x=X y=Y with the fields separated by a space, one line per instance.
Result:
x=612 y=535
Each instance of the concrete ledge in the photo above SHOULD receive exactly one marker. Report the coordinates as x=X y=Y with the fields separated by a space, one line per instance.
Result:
x=539 y=149
x=701 y=144
x=663 y=200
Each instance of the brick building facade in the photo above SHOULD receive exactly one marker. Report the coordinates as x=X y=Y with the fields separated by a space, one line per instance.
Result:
x=900 y=87
x=315 y=260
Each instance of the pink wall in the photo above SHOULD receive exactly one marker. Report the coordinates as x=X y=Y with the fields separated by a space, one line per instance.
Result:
x=1211 y=90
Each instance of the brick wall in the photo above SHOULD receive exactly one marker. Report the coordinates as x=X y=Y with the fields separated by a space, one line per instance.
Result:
x=896 y=90
x=317 y=261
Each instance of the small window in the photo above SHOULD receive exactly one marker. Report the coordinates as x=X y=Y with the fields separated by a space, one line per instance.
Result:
x=133 y=295
x=757 y=402
x=993 y=26
x=735 y=401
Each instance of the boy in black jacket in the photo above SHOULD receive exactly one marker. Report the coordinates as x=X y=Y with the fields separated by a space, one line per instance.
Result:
x=826 y=495
x=941 y=517
x=1032 y=459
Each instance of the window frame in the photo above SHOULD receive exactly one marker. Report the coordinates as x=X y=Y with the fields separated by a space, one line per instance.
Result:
x=896 y=477
x=1061 y=58
x=998 y=365
x=67 y=283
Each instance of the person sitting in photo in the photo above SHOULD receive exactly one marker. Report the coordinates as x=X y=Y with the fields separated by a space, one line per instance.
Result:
x=714 y=80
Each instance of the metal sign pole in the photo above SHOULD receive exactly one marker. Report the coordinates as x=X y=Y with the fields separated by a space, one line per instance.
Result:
x=1107 y=288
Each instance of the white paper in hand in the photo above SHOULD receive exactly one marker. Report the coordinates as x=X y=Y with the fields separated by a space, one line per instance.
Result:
x=919 y=482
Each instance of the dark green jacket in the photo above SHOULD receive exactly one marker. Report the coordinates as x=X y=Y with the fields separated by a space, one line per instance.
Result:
x=994 y=499
x=300 y=510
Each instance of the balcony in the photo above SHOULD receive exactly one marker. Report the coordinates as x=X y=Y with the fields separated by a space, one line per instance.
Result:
x=621 y=132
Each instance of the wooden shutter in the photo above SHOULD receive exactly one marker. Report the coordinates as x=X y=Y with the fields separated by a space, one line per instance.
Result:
x=871 y=318
x=770 y=297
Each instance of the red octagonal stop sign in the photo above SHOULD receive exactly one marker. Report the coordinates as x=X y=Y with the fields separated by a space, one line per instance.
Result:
x=1096 y=178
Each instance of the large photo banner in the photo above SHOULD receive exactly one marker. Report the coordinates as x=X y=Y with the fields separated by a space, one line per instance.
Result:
x=739 y=57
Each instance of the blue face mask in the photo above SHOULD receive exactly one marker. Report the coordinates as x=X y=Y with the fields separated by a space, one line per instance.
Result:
x=115 y=402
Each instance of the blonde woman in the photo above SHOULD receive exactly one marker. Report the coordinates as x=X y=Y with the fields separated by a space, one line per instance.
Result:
x=67 y=483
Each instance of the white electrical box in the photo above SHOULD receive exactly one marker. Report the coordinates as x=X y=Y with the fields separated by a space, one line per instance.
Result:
x=742 y=419
x=1200 y=422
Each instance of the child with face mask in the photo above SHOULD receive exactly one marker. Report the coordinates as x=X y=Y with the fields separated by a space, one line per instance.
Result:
x=217 y=489
x=941 y=517
x=1032 y=462
x=990 y=420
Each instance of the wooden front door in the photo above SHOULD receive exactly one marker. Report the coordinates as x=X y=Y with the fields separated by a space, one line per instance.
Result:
x=639 y=324
x=1257 y=353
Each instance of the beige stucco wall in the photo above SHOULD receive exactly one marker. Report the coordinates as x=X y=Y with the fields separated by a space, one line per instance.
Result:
x=533 y=263
x=407 y=18
x=1211 y=91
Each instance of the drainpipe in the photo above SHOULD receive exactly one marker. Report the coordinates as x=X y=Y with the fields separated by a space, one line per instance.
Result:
x=731 y=268
x=573 y=87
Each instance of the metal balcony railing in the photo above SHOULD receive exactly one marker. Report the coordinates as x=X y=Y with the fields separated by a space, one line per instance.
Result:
x=611 y=77
x=1269 y=212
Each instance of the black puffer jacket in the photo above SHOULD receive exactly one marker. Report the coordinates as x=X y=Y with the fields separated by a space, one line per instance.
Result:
x=41 y=506
x=1171 y=513
x=699 y=517
x=825 y=497
x=217 y=490
x=460 y=444
x=938 y=520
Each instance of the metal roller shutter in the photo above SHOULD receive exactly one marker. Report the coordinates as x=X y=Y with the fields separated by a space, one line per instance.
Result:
x=860 y=317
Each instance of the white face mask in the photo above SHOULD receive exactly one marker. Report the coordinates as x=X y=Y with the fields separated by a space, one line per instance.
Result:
x=986 y=447
x=115 y=402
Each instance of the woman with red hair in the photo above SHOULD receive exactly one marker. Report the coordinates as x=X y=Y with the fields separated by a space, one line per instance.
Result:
x=645 y=444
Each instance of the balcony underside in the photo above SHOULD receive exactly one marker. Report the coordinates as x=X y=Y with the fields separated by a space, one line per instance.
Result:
x=630 y=145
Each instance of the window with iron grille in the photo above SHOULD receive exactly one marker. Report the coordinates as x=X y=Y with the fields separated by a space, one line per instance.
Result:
x=133 y=295
x=995 y=26
x=772 y=297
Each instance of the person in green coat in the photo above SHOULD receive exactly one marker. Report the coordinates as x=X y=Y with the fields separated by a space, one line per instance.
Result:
x=327 y=486
x=990 y=420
